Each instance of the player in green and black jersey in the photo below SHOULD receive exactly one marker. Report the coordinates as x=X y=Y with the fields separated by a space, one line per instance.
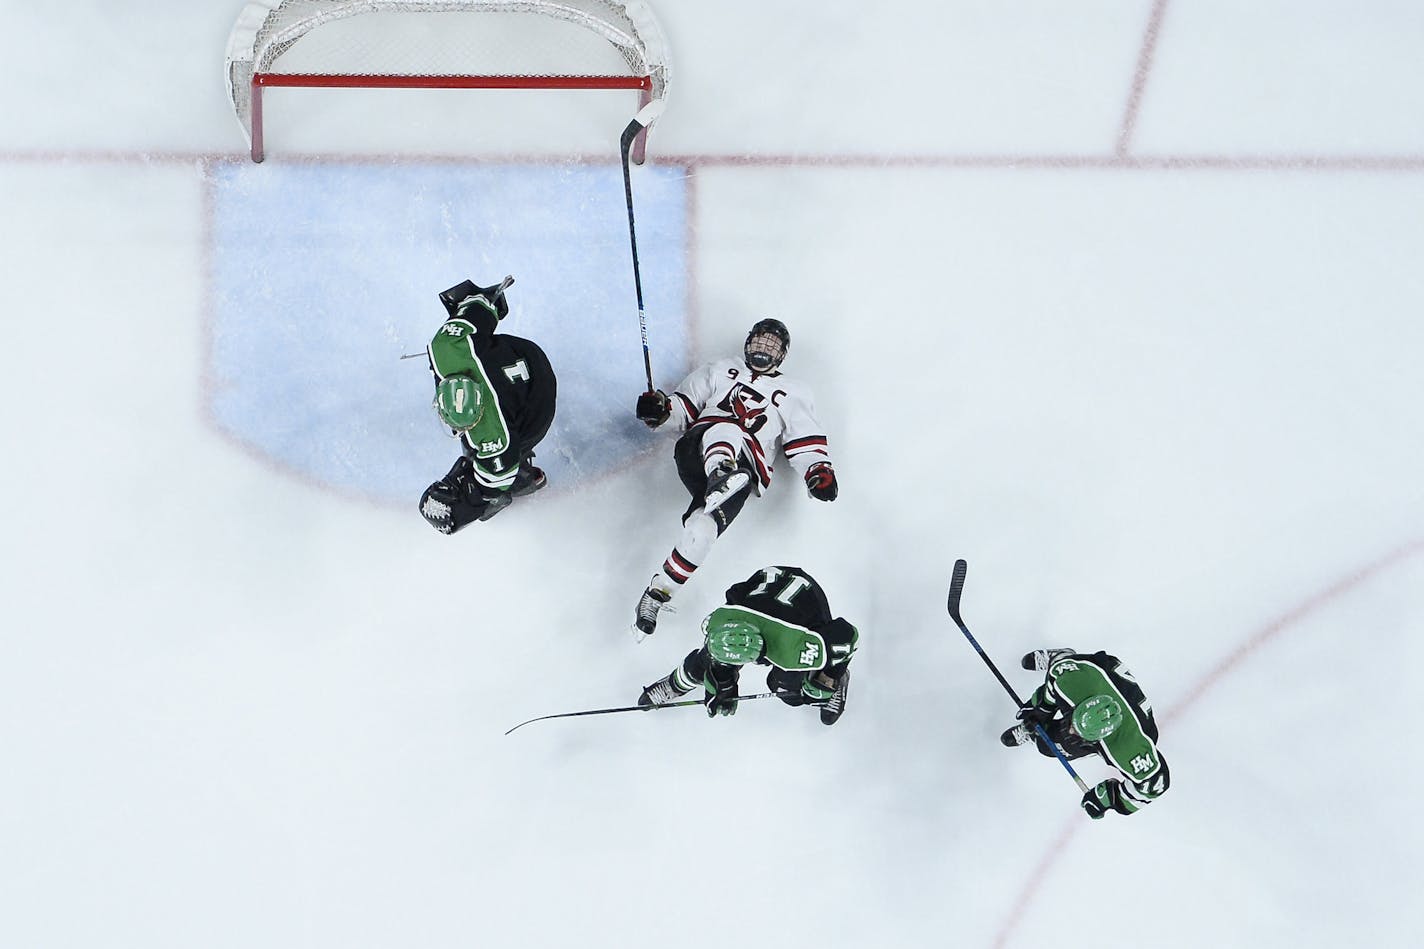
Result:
x=1091 y=704
x=778 y=617
x=496 y=392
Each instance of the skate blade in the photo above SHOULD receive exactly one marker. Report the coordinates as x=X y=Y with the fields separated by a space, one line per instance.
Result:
x=733 y=486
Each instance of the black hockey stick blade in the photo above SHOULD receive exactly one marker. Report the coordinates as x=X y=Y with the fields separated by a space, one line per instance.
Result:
x=608 y=711
x=956 y=589
x=650 y=708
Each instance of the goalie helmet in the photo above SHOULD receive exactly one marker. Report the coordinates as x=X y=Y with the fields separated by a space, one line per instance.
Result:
x=734 y=642
x=460 y=402
x=767 y=345
x=1096 y=718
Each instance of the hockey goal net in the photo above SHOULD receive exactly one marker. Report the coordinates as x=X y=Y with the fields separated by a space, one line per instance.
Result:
x=443 y=44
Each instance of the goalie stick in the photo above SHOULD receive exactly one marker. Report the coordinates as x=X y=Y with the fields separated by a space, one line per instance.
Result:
x=956 y=590
x=652 y=708
x=640 y=122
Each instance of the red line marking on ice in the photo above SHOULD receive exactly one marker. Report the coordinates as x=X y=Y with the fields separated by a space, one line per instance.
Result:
x=1268 y=632
x=1145 y=55
x=693 y=286
x=1301 y=161
x=1069 y=162
x=1286 y=621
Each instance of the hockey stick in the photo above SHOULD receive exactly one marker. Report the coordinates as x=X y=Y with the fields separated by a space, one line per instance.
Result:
x=653 y=708
x=956 y=589
x=640 y=122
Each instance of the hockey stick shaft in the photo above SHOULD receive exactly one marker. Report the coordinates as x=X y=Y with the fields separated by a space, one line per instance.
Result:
x=641 y=121
x=956 y=590
x=651 y=708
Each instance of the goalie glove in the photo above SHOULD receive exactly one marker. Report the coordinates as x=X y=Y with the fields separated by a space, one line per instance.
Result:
x=456 y=501
x=821 y=481
x=654 y=408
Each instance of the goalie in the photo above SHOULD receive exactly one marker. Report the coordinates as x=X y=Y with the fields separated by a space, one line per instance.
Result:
x=496 y=393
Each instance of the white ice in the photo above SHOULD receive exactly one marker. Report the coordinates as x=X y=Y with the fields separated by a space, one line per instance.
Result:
x=1119 y=301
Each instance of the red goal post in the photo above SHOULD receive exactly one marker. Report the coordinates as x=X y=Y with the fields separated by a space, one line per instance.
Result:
x=443 y=44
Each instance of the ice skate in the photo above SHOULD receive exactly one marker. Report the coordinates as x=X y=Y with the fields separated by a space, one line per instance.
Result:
x=663 y=691
x=835 y=705
x=723 y=484
x=1020 y=734
x=1040 y=659
x=646 y=621
x=529 y=480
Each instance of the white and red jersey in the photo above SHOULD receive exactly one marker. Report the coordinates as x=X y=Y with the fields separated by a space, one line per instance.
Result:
x=775 y=411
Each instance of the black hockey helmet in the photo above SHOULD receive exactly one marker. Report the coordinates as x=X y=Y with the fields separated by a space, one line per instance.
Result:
x=767 y=345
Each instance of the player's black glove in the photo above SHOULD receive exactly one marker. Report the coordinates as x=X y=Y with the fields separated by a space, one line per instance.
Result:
x=654 y=408
x=818 y=687
x=786 y=685
x=1032 y=715
x=1036 y=711
x=1099 y=800
x=720 y=685
x=821 y=481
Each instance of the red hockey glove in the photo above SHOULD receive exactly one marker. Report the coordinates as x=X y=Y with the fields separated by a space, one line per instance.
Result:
x=821 y=481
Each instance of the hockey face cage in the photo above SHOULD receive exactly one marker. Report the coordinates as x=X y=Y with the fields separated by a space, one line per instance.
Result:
x=764 y=352
x=443 y=44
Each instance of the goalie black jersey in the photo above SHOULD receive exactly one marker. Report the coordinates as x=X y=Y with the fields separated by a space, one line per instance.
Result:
x=515 y=370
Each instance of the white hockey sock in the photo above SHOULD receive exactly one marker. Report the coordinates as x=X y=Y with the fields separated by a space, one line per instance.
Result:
x=698 y=536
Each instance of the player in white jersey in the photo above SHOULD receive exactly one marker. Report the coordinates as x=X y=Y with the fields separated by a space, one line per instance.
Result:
x=735 y=417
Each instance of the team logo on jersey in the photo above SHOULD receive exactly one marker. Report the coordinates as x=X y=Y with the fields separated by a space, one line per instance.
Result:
x=1141 y=763
x=747 y=405
x=810 y=655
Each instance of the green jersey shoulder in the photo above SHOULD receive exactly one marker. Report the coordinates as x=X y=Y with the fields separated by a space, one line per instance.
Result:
x=789 y=646
x=1132 y=746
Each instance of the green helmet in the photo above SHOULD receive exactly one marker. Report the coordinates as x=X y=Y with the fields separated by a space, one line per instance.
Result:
x=1096 y=718
x=459 y=402
x=734 y=642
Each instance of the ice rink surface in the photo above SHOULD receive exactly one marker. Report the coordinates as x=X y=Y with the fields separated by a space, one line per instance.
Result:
x=1119 y=301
